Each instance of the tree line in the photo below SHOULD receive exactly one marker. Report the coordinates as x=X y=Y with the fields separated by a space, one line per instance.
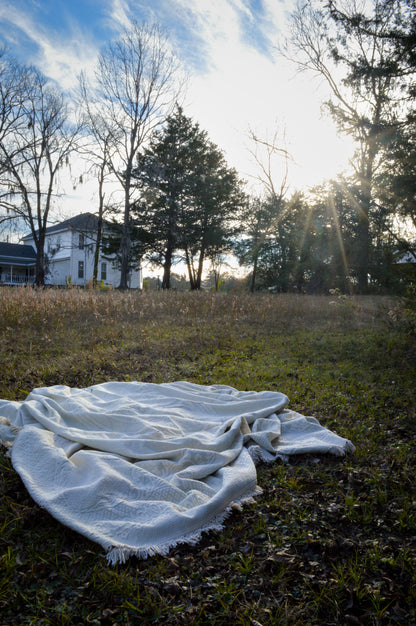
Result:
x=174 y=197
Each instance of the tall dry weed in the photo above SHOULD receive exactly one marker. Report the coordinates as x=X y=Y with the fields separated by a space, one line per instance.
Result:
x=53 y=308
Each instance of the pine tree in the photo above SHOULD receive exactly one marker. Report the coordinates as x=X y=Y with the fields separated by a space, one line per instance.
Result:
x=188 y=197
x=366 y=55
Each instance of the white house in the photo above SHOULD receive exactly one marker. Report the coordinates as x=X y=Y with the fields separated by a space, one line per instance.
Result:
x=70 y=247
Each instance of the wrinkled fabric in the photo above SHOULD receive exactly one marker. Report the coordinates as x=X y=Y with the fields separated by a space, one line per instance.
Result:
x=139 y=467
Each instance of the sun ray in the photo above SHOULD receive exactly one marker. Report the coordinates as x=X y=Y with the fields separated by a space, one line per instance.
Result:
x=303 y=236
x=334 y=214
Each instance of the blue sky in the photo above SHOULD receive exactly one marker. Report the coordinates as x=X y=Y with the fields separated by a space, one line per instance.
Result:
x=237 y=80
x=34 y=28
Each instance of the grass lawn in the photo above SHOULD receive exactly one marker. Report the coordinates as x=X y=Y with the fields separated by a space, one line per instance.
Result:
x=330 y=541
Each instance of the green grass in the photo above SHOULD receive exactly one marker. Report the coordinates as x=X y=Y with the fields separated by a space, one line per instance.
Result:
x=330 y=541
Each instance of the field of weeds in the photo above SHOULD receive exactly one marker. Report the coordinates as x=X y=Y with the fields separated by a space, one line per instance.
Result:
x=330 y=541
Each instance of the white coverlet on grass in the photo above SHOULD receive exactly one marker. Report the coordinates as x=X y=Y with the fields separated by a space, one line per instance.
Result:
x=140 y=467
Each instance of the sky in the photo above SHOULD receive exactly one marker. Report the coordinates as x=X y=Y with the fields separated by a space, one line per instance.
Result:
x=237 y=80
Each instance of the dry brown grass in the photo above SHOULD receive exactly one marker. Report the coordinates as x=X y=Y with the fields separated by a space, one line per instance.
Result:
x=22 y=307
x=82 y=337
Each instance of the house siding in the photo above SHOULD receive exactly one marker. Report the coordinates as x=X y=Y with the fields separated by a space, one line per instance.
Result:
x=65 y=254
x=58 y=272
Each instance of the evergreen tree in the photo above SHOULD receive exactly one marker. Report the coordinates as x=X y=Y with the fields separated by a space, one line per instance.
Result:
x=189 y=197
x=212 y=219
x=271 y=241
x=259 y=218
x=394 y=215
x=164 y=174
x=365 y=54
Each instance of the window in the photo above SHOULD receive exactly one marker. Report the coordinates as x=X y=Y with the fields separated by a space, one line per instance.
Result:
x=80 y=269
x=81 y=241
x=103 y=271
x=54 y=246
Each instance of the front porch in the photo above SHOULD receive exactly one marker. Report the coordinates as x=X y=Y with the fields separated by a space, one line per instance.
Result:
x=17 y=264
x=17 y=275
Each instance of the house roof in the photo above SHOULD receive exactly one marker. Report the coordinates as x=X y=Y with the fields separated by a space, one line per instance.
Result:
x=84 y=222
x=17 y=254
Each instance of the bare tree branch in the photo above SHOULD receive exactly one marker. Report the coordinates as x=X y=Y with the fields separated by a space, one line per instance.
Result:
x=36 y=141
x=137 y=84
x=264 y=160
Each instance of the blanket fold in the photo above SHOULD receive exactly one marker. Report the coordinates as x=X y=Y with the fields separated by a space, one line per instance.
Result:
x=139 y=467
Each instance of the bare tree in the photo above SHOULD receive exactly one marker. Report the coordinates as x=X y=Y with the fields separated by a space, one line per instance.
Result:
x=136 y=87
x=270 y=157
x=102 y=171
x=99 y=150
x=32 y=153
x=14 y=87
x=262 y=214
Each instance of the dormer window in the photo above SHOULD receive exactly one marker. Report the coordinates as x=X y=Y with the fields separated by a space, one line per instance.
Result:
x=81 y=241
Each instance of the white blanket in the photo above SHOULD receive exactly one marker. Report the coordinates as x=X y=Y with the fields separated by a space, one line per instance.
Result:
x=139 y=467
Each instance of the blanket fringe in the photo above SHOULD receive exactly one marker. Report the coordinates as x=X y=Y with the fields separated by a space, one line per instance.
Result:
x=4 y=421
x=121 y=554
x=263 y=456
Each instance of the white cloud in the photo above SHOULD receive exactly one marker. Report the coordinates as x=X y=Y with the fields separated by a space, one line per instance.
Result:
x=239 y=4
x=59 y=58
x=245 y=88
x=119 y=12
x=239 y=90
x=240 y=81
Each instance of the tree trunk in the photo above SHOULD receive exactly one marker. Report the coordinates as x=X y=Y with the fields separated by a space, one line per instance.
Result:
x=97 y=248
x=216 y=280
x=125 y=242
x=363 y=247
x=40 y=262
x=167 y=268
x=101 y=196
x=191 y=272
x=170 y=247
x=363 y=232
x=253 y=274
x=200 y=268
